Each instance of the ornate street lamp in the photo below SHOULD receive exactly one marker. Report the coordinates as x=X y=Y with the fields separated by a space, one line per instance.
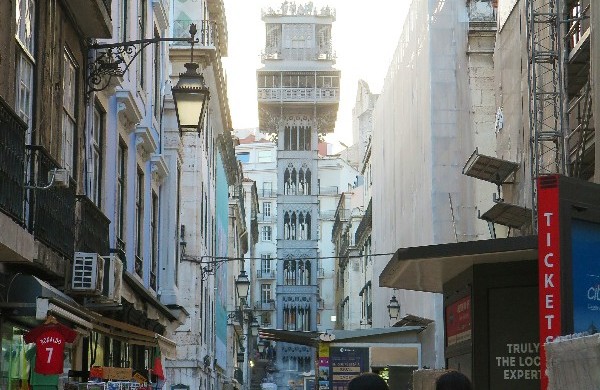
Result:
x=394 y=308
x=254 y=325
x=191 y=94
x=242 y=286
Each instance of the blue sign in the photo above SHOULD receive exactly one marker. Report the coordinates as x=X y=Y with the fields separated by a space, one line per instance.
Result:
x=585 y=251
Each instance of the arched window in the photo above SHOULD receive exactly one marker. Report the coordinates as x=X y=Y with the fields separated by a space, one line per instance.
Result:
x=307 y=182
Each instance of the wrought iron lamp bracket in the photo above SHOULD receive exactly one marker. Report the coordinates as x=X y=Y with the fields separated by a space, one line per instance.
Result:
x=114 y=59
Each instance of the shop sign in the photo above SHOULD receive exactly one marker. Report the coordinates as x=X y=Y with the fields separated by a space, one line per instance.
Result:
x=548 y=266
x=345 y=364
x=458 y=321
x=585 y=246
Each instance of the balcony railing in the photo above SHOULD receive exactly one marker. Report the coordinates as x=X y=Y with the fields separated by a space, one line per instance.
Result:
x=91 y=227
x=120 y=250
x=260 y=305
x=207 y=32
x=153 y=280
x=298 y=54
x=266 y=193
x=332 y=190
x=12 y=163
x=53 y=208
x=139 y=266
x=265 y=273
x=298 y=94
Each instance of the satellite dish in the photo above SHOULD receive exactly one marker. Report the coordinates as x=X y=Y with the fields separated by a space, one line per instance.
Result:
x=327 y=337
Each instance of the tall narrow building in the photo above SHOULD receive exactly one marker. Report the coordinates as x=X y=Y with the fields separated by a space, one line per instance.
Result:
x=298 y=97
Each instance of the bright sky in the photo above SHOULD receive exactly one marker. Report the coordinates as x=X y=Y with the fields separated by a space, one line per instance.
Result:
x=365 y=35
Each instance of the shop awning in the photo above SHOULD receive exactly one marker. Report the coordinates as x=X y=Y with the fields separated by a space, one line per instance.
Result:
x=134 y=335
x=34 y=299
x=310 y=339
x=427 y=268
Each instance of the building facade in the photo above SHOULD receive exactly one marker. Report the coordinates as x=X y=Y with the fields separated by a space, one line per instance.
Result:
x=298 y=100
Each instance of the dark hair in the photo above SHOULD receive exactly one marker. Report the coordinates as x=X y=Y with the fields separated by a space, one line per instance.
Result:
x=367 y=381
x=453 y=380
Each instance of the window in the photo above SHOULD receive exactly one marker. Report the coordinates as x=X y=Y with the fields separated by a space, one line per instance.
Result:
x=154 y=235
x=25 y=88
x=267 y=189
x=265 y=156
x=266 y=233
x=265 y=263
x=265 y=293
x=297 y=138
x=157 y=77
x=124 y=17
x=139 y=222
x=243 y=157
x=96 y=165
x=267 y=209
x=25 y=24
x=121 y=187
x=141 y=35
x=68 y=119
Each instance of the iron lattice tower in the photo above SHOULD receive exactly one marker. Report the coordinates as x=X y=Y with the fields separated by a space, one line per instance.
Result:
x=546 y=119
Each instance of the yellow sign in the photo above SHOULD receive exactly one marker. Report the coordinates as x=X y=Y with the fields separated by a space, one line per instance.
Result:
x=323 y=350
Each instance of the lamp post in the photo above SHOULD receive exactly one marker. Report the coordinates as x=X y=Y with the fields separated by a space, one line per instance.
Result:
x=242 y=287
x=394 y=308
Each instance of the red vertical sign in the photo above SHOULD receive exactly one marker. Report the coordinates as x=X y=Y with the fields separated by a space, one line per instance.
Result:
x=548 y=266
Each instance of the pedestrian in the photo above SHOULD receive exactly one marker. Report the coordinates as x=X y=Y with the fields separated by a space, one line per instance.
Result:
x=367 y=381
x=453 y=380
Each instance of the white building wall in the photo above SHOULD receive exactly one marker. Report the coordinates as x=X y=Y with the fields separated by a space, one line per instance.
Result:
x=423 y=134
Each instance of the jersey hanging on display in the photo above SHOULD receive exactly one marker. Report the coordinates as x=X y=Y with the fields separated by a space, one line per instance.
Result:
x=50 y=339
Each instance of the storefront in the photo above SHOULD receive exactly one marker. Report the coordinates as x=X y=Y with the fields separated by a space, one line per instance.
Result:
x=504 y=298
x=119 y=350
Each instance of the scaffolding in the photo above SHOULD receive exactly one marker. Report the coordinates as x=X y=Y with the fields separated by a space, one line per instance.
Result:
x=546 y=97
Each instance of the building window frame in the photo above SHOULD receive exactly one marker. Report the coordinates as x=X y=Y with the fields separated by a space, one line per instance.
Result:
x=266 y=233
x=139 y=223
x=69 y=111
x=97 y=155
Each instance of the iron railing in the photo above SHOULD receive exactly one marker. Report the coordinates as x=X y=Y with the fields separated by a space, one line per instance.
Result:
x=299 y=94
x=91 y=227
x=153 y=280
x=139 y=266
x=207 y=31
x=265 y=273
x=12 y=163
x=53 y=208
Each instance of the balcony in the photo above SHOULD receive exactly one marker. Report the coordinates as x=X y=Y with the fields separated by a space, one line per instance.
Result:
x=265 y=274
x=53 y=208
x=289 y=94
x=298 y=54
x=207 y=33
x=264 y=306
x=320 y=273
x=331 y=190
x=93 y=17
x=12 y=163
x=268 y=193
x=139 y=266
x=266 y=218
x=91 y=227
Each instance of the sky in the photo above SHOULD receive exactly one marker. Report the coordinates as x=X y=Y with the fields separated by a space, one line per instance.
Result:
x=365 y=35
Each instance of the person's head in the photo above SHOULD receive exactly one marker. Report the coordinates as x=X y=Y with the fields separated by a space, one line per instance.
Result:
x=453 y=380
x=367 y=381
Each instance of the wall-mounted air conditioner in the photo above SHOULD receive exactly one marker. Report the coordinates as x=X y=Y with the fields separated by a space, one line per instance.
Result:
x=113 y=279
x=88 y=274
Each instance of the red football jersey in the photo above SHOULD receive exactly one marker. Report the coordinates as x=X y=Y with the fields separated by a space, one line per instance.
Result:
x=50 y=341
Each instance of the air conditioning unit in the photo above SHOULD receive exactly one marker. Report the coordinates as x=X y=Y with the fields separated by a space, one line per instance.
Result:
x=113 y=279
x=88 y=274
